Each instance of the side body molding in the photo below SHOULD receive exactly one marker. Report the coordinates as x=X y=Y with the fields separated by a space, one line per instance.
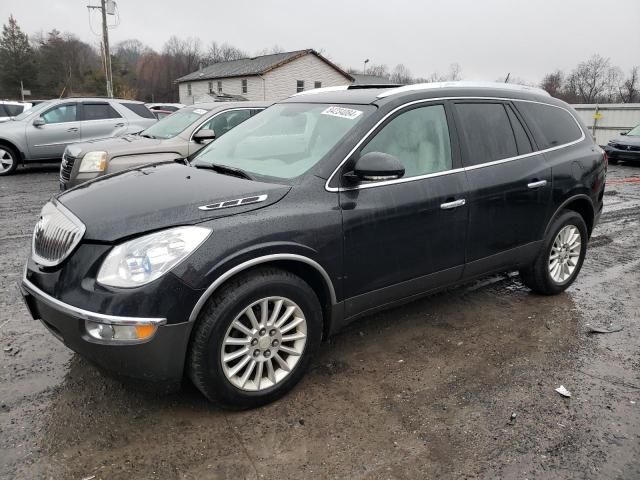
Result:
x=257 y=261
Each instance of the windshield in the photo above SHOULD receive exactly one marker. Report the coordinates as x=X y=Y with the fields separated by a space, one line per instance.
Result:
x=285 y=140
x=635 y=131
x=174 y=124
x=37 y=108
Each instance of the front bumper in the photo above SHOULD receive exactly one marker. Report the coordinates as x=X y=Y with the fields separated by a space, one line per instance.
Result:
x=158 y=359
x=77 y=179
x=620 y=154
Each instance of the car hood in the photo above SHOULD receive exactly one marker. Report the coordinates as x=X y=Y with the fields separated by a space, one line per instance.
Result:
x=627 y=140
x=158 y=196
x=118 y=146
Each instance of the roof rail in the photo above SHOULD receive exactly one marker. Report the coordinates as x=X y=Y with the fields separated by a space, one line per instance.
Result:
x=465 y=84
x=321 y=90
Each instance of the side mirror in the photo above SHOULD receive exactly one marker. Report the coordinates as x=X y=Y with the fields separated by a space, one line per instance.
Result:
x=623 y=133
x=204 y=135
x=39 y=122
x=378 y=166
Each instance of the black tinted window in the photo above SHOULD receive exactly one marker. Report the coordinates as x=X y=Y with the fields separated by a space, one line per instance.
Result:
x=552 y=126
x=522 y=140
x=3 y=112
x=139 y=109
x=99 y=111
x=14 y=110
x=487 y=132
x=225 y=121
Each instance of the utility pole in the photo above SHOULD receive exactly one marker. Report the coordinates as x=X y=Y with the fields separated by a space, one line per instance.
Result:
x=105 y=45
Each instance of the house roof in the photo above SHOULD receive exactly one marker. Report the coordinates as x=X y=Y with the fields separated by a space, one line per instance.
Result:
x=253 y=66
x=363 y=79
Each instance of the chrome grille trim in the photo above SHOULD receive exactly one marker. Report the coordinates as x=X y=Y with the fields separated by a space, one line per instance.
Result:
x=56 y=235
x=66 y=167
x=238 y=202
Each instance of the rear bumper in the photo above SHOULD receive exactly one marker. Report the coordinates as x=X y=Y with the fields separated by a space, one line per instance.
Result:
x=159 y=359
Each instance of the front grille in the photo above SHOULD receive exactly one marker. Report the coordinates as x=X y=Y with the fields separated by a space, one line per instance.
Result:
x=66 y=167
x=627 y=148
x=56 y=234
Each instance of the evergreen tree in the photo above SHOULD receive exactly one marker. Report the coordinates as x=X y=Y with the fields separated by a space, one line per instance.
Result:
x=17 y=60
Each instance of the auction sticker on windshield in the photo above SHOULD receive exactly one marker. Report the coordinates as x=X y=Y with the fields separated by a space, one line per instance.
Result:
x=342 y=112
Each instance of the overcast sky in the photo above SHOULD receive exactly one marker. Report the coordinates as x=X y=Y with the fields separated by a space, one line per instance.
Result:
x=488 y=38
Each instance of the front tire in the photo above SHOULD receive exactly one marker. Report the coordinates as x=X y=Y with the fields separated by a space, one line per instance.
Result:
x=254 y=339
x=8 y=160
x=561 y=257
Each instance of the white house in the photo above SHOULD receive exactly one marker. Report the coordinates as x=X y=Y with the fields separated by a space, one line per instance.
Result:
x=268 y=77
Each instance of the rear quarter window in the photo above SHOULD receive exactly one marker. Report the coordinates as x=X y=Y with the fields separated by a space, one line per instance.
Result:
x=13 y=110
x=552 y=126
x=139 y=109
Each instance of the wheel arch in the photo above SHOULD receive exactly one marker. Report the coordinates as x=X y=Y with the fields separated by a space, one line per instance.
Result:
x=582 y=205
x=304 y=267
x=14 y=147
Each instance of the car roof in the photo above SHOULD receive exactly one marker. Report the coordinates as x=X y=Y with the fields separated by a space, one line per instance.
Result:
x=380 y=94
x=93 y=99
x=227 y=105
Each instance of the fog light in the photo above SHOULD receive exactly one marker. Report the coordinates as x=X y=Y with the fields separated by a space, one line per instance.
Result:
x=103 y=331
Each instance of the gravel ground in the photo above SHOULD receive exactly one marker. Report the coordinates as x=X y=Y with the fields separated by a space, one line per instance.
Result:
x=457 y=385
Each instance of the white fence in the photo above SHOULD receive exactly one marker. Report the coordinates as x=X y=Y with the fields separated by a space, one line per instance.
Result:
x=606 y=121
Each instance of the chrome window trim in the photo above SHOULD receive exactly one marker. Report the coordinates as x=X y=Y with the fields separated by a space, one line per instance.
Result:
x=195 y=130
x=257 y=261
x=446 y=172
x=85 y=314
x=73 y=219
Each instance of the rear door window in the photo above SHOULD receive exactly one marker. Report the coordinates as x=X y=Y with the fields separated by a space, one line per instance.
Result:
x=487 y=132
x=98 y=111
x=552 y=126
x=139 y=109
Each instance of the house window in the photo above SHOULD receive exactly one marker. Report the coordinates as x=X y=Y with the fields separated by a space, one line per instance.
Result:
x=210 y=87
x=244 y=85
x=317 y=85
x=299 y=86
x=219 y=87
x=188 y=89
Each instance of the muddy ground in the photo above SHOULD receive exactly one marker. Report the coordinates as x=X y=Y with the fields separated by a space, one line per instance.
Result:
x=458 y=385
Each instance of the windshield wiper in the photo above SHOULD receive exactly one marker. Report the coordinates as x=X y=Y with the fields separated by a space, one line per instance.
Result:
x=146 y=135
x=223 y=169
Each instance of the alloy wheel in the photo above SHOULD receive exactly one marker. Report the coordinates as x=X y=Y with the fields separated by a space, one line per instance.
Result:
x=6 y=160
x=565 y=254
x=264 y=343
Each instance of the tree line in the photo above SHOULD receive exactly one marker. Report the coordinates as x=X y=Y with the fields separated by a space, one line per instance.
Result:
x=56 y=64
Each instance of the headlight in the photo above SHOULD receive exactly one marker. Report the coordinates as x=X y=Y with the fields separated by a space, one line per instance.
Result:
x=147 y=258
x=93 y=162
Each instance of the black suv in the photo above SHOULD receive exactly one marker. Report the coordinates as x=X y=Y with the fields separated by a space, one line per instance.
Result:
x=231 y=267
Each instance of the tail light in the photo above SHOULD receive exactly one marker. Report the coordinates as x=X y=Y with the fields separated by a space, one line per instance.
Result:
x=606 y=161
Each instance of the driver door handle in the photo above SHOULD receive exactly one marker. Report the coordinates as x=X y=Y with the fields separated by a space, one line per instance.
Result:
x=454 y=204
x=72 y=129
x=537 y=184
x=119 y=125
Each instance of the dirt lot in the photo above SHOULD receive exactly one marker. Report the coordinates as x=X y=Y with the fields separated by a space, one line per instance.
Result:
x=458 y=385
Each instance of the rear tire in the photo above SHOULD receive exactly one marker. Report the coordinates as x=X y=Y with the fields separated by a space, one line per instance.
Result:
x=561 y=256
x=241 y=356
x=9 y=160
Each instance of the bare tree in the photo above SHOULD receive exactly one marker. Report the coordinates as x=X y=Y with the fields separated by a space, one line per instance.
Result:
x=401 y=74
x=630 y=89
x=553 y=83
x=379 y=70
x=591 y=80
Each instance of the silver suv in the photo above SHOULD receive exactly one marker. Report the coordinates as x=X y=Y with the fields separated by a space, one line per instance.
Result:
x=42 y=132
x=179 y=135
